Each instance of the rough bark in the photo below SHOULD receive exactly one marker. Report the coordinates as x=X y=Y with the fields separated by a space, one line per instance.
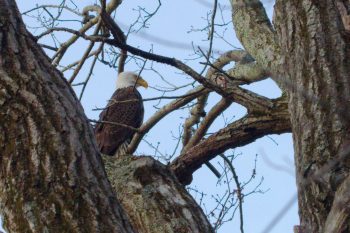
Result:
x=51 y=176
x=308 y=53
x=153 y=198
x=316 y=69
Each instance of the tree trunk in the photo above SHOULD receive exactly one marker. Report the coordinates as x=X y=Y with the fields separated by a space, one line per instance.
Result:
x=308 y=55
x=315 y=50
x=52 y=177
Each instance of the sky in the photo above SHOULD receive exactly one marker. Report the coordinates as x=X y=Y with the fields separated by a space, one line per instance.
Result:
x=177 y=28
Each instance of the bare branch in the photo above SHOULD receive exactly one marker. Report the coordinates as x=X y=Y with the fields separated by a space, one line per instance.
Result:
x=238 y=133
x=195 y=114
x=211 y=34
x=163 y=59
x=252 y=101
x=221 y=106
x=85 y=56
x=111 y=6
x=239 y=190
x=70 y=66
x=248 y=73
x=53 y=6
x=48 y=47
x=198 y=110
x=90 y=72
x=161 y=113
x=118 y=34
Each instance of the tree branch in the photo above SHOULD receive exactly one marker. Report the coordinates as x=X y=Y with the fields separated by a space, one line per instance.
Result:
x=239 y=133
x=198 y=110
x=248 y=73
x=85 y=56
x=238 y=191
x=254 y=30
x=70 y=66
x=221 y=106
x=92 y=67
x=252 y=101
x=162 y=59
x=195 y=115
x=111 y=6
x=161 y=113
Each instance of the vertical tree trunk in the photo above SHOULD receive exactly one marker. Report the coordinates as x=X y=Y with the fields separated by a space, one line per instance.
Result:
x=316 y=75
x=51 y=176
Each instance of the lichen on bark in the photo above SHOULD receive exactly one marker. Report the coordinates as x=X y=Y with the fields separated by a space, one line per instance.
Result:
x=152 y=196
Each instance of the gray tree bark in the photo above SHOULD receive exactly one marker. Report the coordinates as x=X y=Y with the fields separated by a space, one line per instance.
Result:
x=52 y=178
x=308 y=53
x=316 y=67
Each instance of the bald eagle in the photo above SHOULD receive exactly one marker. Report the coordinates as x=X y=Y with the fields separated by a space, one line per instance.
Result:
x=124 y=108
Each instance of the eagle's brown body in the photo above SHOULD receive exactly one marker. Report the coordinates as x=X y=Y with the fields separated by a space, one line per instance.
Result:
x=125 y=107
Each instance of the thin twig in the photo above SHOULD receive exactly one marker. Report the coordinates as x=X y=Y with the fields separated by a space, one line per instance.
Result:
x=211 y=34
x=239 y=189
x=86 y=54
x=90 y=73
x=115 y=123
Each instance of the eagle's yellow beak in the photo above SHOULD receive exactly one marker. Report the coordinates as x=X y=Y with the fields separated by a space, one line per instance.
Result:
x=142 y=82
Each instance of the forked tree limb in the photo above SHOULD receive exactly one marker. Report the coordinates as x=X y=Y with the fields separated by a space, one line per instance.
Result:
x=239 y=133
x=221 y=106
x=255 y=31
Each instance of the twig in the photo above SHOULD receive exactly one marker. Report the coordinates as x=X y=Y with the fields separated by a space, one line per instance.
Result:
x=93 y=53
x=53 y=6
x=115 y=123
x=48 y=47
x=211 y=34
x=86 y=54
x=239 y=189
x=111 y=6
x=161 y=113
x=90 y=73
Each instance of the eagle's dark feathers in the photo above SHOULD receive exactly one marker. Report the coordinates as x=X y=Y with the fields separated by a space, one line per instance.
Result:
x=125 y=107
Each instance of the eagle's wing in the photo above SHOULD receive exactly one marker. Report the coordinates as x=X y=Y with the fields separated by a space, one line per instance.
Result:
x=125 y=107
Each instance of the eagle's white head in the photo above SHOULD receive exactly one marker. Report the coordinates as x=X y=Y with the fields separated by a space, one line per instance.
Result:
x=130 y=79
